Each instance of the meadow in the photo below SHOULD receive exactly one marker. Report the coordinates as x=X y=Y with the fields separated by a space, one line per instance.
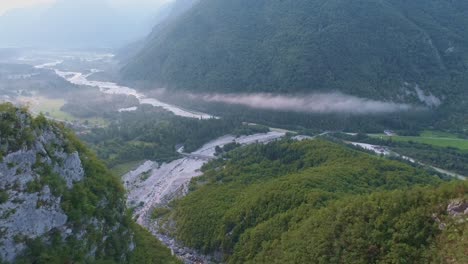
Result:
x=51 y=108
x=435 y=138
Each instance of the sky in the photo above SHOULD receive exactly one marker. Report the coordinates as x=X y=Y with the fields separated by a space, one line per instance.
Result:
x=6 y=5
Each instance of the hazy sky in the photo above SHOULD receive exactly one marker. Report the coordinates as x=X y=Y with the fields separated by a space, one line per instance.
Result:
x=10 y=4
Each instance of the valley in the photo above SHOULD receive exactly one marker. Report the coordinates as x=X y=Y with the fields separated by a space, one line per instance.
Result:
x=81 y=79
x=153 y=186
x=155 y=182
x=234 y=131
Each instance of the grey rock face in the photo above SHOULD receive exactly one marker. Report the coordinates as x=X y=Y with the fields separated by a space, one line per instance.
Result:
x=71 y=170
x=458 y=208
x=429 y=99
x=28 y=216
x=16 y=169
x=28 y=213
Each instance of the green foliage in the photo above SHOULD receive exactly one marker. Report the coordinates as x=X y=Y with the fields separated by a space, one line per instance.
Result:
x=366 y=48
x=123 y=168
x=159 y=212
x=99 y=197
x=40 y=122
x=55 y=182
x=452 y=245
x=150 y=133
x=408 y=121
x=34 y=186
x=269 y=189
x=90 y=103
x=3 y=196
x=226 y=148
x=16 y=130
x=387 y=227
x=250 y=129
x=457 y=143
x=99 y=184
x=149 y=249
x=258 y=46
x=448 y=158
x=84 y=200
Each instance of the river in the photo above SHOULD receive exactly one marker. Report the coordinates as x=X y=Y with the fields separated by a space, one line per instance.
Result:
x=79 y=78
x=381 y=150
x=153 y=185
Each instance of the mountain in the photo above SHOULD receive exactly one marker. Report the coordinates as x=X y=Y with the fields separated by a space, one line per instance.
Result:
x=319 y=202
x=390 y=49
x=166 y=14
x=59 y=204
x=71 y=24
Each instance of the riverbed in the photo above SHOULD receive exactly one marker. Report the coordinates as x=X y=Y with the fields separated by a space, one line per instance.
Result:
x=81 y=79
x=381 y=150
x=154 y=185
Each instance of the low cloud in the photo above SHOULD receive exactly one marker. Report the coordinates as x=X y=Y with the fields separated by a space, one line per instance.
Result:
x=314 y=103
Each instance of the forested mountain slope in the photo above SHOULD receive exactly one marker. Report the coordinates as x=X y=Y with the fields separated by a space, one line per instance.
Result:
x=368 y=48
x=319 y=202
x=167 y=14
x=59 y=204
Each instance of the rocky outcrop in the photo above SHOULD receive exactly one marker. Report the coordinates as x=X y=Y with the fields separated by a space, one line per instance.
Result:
x=30 y=208
x=28 y=216
x=458 y=208
x=53 y=193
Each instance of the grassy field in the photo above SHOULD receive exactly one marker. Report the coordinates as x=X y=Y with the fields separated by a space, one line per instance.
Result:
x=440 y=139
x=51 y=108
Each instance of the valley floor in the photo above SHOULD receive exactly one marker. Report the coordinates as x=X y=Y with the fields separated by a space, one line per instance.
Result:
x=151 y=185
x=431 y=138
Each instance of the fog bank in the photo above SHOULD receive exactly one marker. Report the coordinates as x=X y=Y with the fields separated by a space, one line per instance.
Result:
x=313 y=103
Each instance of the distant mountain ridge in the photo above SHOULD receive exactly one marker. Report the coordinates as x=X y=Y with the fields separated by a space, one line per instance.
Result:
x=375 y=49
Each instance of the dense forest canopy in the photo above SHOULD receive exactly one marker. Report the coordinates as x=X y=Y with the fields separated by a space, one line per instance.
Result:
x=317 y=202
x=151 y=133
x=319 y=75
x=362 y=47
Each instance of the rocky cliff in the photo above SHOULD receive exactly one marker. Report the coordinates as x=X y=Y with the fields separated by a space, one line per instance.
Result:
x=58 y=203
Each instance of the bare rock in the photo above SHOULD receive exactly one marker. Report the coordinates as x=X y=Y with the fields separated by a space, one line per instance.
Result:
x=27 y=213
x=458 y=208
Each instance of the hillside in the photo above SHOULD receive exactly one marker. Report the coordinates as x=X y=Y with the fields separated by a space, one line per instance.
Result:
x=166 y=15
x=319 y=202
x=390 y=49
x=59 y=204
